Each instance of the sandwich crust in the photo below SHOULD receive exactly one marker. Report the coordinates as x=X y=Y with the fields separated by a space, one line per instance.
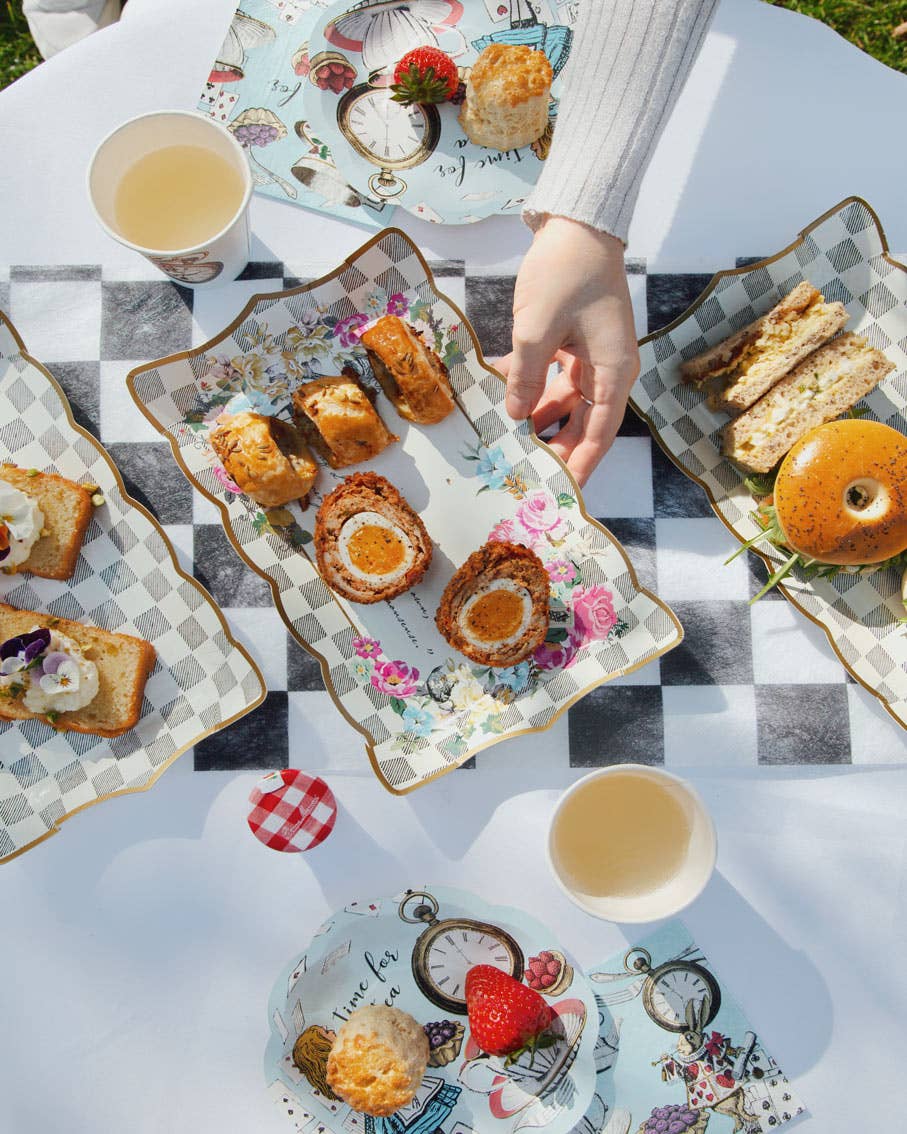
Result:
x=491 y=564
x=410 y=373
x=825 y=384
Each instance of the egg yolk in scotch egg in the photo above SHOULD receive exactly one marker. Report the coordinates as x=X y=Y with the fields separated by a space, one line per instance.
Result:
x=376 y=550
x=496 y=615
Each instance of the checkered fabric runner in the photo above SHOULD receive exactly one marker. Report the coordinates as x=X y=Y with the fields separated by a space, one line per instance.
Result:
x=748 y=685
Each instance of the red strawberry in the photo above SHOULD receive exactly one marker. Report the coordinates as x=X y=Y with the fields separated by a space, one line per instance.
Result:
x=505 y=1016
x=425 y=74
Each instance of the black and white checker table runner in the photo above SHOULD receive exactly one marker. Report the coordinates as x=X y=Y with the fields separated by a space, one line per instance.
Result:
x=749 y=685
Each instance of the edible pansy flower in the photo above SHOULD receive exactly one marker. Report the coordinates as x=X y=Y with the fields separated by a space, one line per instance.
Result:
x=15 y=524
x=63 y=677
x=21 y=652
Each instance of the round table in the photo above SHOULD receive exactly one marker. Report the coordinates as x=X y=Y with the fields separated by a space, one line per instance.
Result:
x=139 y=947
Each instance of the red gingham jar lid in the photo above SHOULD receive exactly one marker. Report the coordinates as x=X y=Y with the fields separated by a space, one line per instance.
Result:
x=292 y=811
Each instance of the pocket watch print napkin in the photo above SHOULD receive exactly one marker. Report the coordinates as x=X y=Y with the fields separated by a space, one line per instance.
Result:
x=675 y=1053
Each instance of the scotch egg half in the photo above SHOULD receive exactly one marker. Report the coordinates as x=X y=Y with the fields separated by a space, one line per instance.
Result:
x=369 y=544
x=495 y=608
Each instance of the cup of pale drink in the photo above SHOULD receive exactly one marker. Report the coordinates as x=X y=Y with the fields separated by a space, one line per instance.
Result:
x=175 y=186
x=631 y=843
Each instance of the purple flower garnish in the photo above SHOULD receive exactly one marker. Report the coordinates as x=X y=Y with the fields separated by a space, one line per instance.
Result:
x=4 y=552
x=53 y=662
x=26 y=646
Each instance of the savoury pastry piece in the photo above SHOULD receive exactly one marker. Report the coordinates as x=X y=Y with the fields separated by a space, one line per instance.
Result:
x=52 y=515
x=507 y=95
x=106 y=670
x=410 y=373
x=265 y=456
x=369 y=544
x=378 y=1060
x=340 y=423
x=495 y=608
x=825 y=384
x=738 y=371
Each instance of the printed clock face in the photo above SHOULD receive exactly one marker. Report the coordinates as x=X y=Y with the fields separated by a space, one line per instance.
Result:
x=386 y=132
x=676 y=987
x=446 y=952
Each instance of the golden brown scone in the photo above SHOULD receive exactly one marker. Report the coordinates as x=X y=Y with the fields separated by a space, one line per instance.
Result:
x=124 y=664
x=266 y=457
x=340 y=423
x=67 y=510
x=369 y=544
x=495 y=608
x=507 y=94
x=378 y=1060
x=410 y=373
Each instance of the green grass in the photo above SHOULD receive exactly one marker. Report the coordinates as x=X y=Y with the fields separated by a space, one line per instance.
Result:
x=17 y=52
x=867 y=23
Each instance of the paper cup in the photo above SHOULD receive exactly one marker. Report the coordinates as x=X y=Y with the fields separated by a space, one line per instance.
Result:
x=673 y=894
x=222 y=256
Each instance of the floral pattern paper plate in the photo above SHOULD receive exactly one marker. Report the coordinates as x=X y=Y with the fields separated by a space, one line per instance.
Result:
x=475 y=476
x=844 y=254
x=126 y=579
x=418 y=156
x=412 y=951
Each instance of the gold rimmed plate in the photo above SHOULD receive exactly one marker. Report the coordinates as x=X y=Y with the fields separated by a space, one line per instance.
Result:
x=127 y=579
x=845 y=255
x=475 y=476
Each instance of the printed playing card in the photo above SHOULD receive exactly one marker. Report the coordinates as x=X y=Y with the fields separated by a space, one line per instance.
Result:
x=364 y=909
x=282 y=1099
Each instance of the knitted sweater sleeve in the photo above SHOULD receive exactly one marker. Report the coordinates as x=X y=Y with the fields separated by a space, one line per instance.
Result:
x=627 y=66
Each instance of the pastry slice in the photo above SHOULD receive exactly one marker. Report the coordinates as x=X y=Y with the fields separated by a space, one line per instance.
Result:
x=43 y=520
x=410 y=373
x=825 y=384
x=265 y=456
x=738 y=371
x=78 y=678
x=369 y=544
x=340 y=423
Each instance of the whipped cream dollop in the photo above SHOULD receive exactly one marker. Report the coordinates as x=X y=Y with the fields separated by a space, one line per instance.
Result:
x=21 y=523
x=49 y=671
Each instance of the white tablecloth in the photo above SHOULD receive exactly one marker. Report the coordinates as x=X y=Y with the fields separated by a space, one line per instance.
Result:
x=139 y=946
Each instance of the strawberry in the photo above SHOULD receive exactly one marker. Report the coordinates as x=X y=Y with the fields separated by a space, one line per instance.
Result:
x=505 y=1016
x=425 y=74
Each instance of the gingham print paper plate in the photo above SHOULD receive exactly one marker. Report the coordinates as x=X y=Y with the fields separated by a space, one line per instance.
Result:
x=844 y=255
x=412 y=951
x=476 y=475
x=126 y=579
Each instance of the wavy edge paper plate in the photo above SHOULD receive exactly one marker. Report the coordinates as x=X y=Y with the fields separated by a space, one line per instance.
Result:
x=319 y=626
x=369 y=941
x=671 y=408
x=61 y=410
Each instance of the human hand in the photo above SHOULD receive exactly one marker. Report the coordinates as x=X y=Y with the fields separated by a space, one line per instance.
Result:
x=572 y=305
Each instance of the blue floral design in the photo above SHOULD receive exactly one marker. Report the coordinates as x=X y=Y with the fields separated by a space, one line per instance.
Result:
x=492 y=468
x=517 y=677
x=252 y=401
x=417 y=722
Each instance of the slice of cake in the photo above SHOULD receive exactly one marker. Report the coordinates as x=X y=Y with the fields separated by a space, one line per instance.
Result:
x=43 y=520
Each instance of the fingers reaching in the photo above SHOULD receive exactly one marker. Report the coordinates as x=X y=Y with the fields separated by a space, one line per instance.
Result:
x=527 y=372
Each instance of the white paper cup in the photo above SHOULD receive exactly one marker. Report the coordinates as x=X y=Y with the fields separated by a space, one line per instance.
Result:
x=220 y=258
x=673 y=895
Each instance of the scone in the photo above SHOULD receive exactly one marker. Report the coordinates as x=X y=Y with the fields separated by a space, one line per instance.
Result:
x=410 y=373
x=378 y=1060
x=43 y=520
x=369 y=544
x=495 y=608
x=265 y=456
x=507 y=95
x=340 y=423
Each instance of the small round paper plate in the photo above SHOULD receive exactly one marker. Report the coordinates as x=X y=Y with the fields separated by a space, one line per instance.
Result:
x=412 y=951
x=418 y=156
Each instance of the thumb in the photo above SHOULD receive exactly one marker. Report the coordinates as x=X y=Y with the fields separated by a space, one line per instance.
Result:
x=527 y=372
